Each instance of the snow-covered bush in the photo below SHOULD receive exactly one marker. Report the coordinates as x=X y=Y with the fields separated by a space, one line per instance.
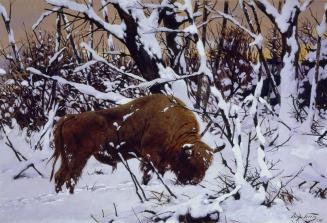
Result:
x=27 y=98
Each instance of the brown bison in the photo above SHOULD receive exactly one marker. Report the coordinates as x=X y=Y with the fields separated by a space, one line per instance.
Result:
x=158 y=129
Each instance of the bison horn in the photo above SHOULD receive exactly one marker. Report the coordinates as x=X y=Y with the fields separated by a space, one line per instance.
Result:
x=187 y=149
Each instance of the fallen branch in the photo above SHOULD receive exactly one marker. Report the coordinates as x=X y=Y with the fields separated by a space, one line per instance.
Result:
x=322 y=135
x=31 y=165
x=18 y=155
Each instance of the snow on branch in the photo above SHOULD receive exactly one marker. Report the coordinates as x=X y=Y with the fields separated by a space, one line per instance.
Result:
x=4 y=13
x=98 y=58
x=258 y=39
x=2 y=72
x=198 y=207
x=268 y=8
x=322 y=27
x=145 y=24
x=305 y=5
x=192 y=29
x=85 y=66
x=85 y=89
x=237 y=23
x=43 y=137
x=11 y=38
x=284 y=19
x=43 y=16
x=160 y=80
x=56 y=56
x=117 y=30
x=237 y=149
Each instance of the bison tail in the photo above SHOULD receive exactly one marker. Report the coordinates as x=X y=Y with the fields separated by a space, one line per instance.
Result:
x=59 y=144
x=54 y=156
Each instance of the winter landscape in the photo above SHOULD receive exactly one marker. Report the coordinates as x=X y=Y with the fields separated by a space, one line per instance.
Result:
x=164 y=111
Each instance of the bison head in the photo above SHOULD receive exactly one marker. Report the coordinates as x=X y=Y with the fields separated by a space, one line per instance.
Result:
x=192 y=163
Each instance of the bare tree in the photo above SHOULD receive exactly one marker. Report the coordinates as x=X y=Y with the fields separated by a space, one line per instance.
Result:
x=286 y=22
x=321 y=29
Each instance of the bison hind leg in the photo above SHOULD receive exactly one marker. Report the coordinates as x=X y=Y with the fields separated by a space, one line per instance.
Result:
x=70 y=171
x=67 y=177
x=60 y=179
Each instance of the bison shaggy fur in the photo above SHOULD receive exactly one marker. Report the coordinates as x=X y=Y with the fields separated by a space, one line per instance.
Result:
x=157 y=129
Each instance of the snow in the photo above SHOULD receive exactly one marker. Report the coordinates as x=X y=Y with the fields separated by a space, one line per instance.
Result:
x=237 y=151
x=265 y=174
x=11 y=38
x=203 y=69
x=192 y=29
x=288 y=86
x=288 y=11
x=146 y=38
x=187 y=145
x=2 y=72
x=117 y=126
x=282 y=19
x=125 y=117
x=96 y=194
x=257 y=41
x=3 y=13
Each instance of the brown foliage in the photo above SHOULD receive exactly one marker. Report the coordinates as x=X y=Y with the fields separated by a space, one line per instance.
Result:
x=157 y=129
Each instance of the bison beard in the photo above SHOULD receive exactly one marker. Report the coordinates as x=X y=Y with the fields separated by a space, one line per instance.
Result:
x=158 y=129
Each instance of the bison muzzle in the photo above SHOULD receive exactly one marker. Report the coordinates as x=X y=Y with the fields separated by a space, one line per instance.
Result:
x=157 y=129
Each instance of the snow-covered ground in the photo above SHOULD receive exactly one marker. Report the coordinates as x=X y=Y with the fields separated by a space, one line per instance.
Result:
x=101 y=195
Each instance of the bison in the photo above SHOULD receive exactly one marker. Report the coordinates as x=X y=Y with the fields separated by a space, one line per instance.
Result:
x=157 y=129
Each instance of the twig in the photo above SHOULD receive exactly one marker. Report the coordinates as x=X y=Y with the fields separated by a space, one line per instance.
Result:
x=288 y=139
x=269 y=203
x=97 y=221
x=322 y=135
x=247 y=156
x=136 y=215
x=18 y=155
x=115 y=207
x=19 y=175
x=135 y=181
x=161 y=180
x=226 y=164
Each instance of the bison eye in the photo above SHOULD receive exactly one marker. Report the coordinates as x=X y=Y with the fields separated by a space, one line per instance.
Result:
x=187 y=149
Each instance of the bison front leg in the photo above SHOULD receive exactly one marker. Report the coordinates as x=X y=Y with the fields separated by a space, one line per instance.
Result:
x=107 y=159
x=146 y=168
